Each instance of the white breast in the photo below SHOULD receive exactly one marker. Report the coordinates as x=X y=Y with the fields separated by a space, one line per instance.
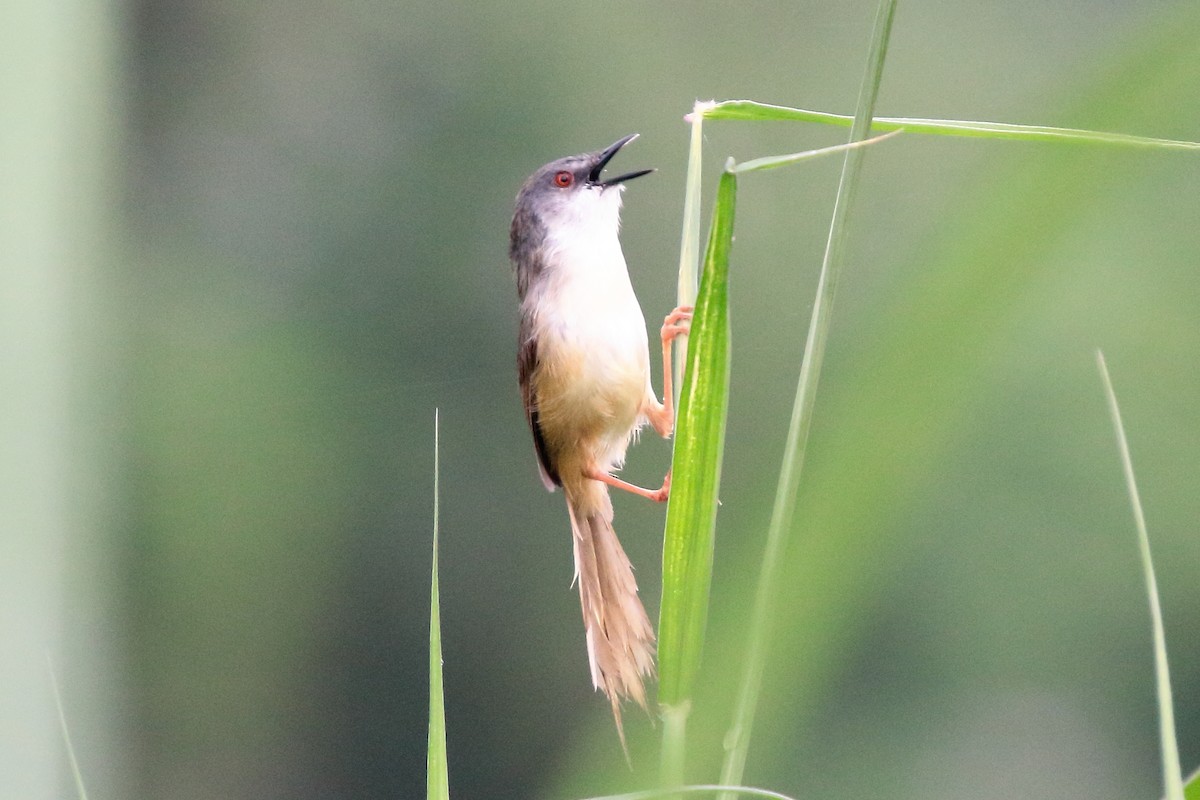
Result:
x=593 y=350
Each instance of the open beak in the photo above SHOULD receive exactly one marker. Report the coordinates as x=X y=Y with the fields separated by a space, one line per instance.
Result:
x=605 y=156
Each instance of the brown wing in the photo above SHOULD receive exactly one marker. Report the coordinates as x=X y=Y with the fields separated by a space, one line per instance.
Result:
x=526 y=364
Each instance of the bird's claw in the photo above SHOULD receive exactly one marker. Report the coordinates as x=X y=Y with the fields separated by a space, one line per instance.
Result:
x=677 y=323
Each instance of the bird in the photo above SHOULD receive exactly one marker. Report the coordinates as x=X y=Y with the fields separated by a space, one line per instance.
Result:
x=583 y=365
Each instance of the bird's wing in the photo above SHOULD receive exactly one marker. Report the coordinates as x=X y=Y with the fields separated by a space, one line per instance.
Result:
x=527 y=359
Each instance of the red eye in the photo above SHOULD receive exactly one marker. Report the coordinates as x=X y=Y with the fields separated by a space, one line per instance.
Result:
x=563 y=179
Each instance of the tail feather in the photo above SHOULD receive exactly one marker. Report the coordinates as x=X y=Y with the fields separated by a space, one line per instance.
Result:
x=620 y=639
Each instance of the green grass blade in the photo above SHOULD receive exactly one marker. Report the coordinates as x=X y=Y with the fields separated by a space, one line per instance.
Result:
x=691 y=510
x=771 y=162
x=737 y=742
x=1172 y=774
x=437 y=785
x=76 y=773
x=749 y=110
x=696 y=475
x=650 y=794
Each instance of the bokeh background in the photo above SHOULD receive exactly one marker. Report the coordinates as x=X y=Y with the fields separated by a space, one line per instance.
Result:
x=248 y=248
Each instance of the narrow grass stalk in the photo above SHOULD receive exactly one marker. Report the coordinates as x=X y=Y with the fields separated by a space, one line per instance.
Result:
x=712 y=788
x=689 y=239
x=737 y=742
x=437 y=786
x=1172 y=774
x=749 y=110
x=76 y=773
x=696 y=477
x=771 y=162
x=674 y=743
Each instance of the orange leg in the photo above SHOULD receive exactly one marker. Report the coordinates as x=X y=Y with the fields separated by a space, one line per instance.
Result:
x=657 y=495
x=677 y=323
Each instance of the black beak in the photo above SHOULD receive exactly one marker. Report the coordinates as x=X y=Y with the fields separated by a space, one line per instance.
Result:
x=605 y=156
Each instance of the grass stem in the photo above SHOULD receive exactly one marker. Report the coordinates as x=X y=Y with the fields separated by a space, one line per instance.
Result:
x=66 y=734
x=437 y=785
x=1172 y=774
x=737 y=742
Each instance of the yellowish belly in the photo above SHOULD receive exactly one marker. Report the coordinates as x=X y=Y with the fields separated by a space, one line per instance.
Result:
x=589 y=397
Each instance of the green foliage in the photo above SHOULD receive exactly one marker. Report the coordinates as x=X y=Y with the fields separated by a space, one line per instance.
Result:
x=965 y=279
x=737 y=740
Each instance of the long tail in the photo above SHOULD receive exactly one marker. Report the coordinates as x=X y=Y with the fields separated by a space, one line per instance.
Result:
x=620 y=639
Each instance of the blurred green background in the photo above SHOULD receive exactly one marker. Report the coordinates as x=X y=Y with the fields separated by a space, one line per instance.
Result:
x=248 y=248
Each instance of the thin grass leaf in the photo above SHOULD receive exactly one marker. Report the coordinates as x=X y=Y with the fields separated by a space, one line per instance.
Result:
x=689 y=239
x=750 y=110
x=437 y=785
x=1172 y=774
x=737 y=741
x=771 y=162
x=650 y=794
x=696 y=476
x=76 y=773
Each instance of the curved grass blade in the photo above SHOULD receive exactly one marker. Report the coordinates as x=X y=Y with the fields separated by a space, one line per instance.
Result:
x=696 y=476
x=737 y=742
x=771 y=162
x=749 y=791
x=1172 y=775
x=689 y=239
x=437 y=785
x=76 y=773
x=750 y=110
